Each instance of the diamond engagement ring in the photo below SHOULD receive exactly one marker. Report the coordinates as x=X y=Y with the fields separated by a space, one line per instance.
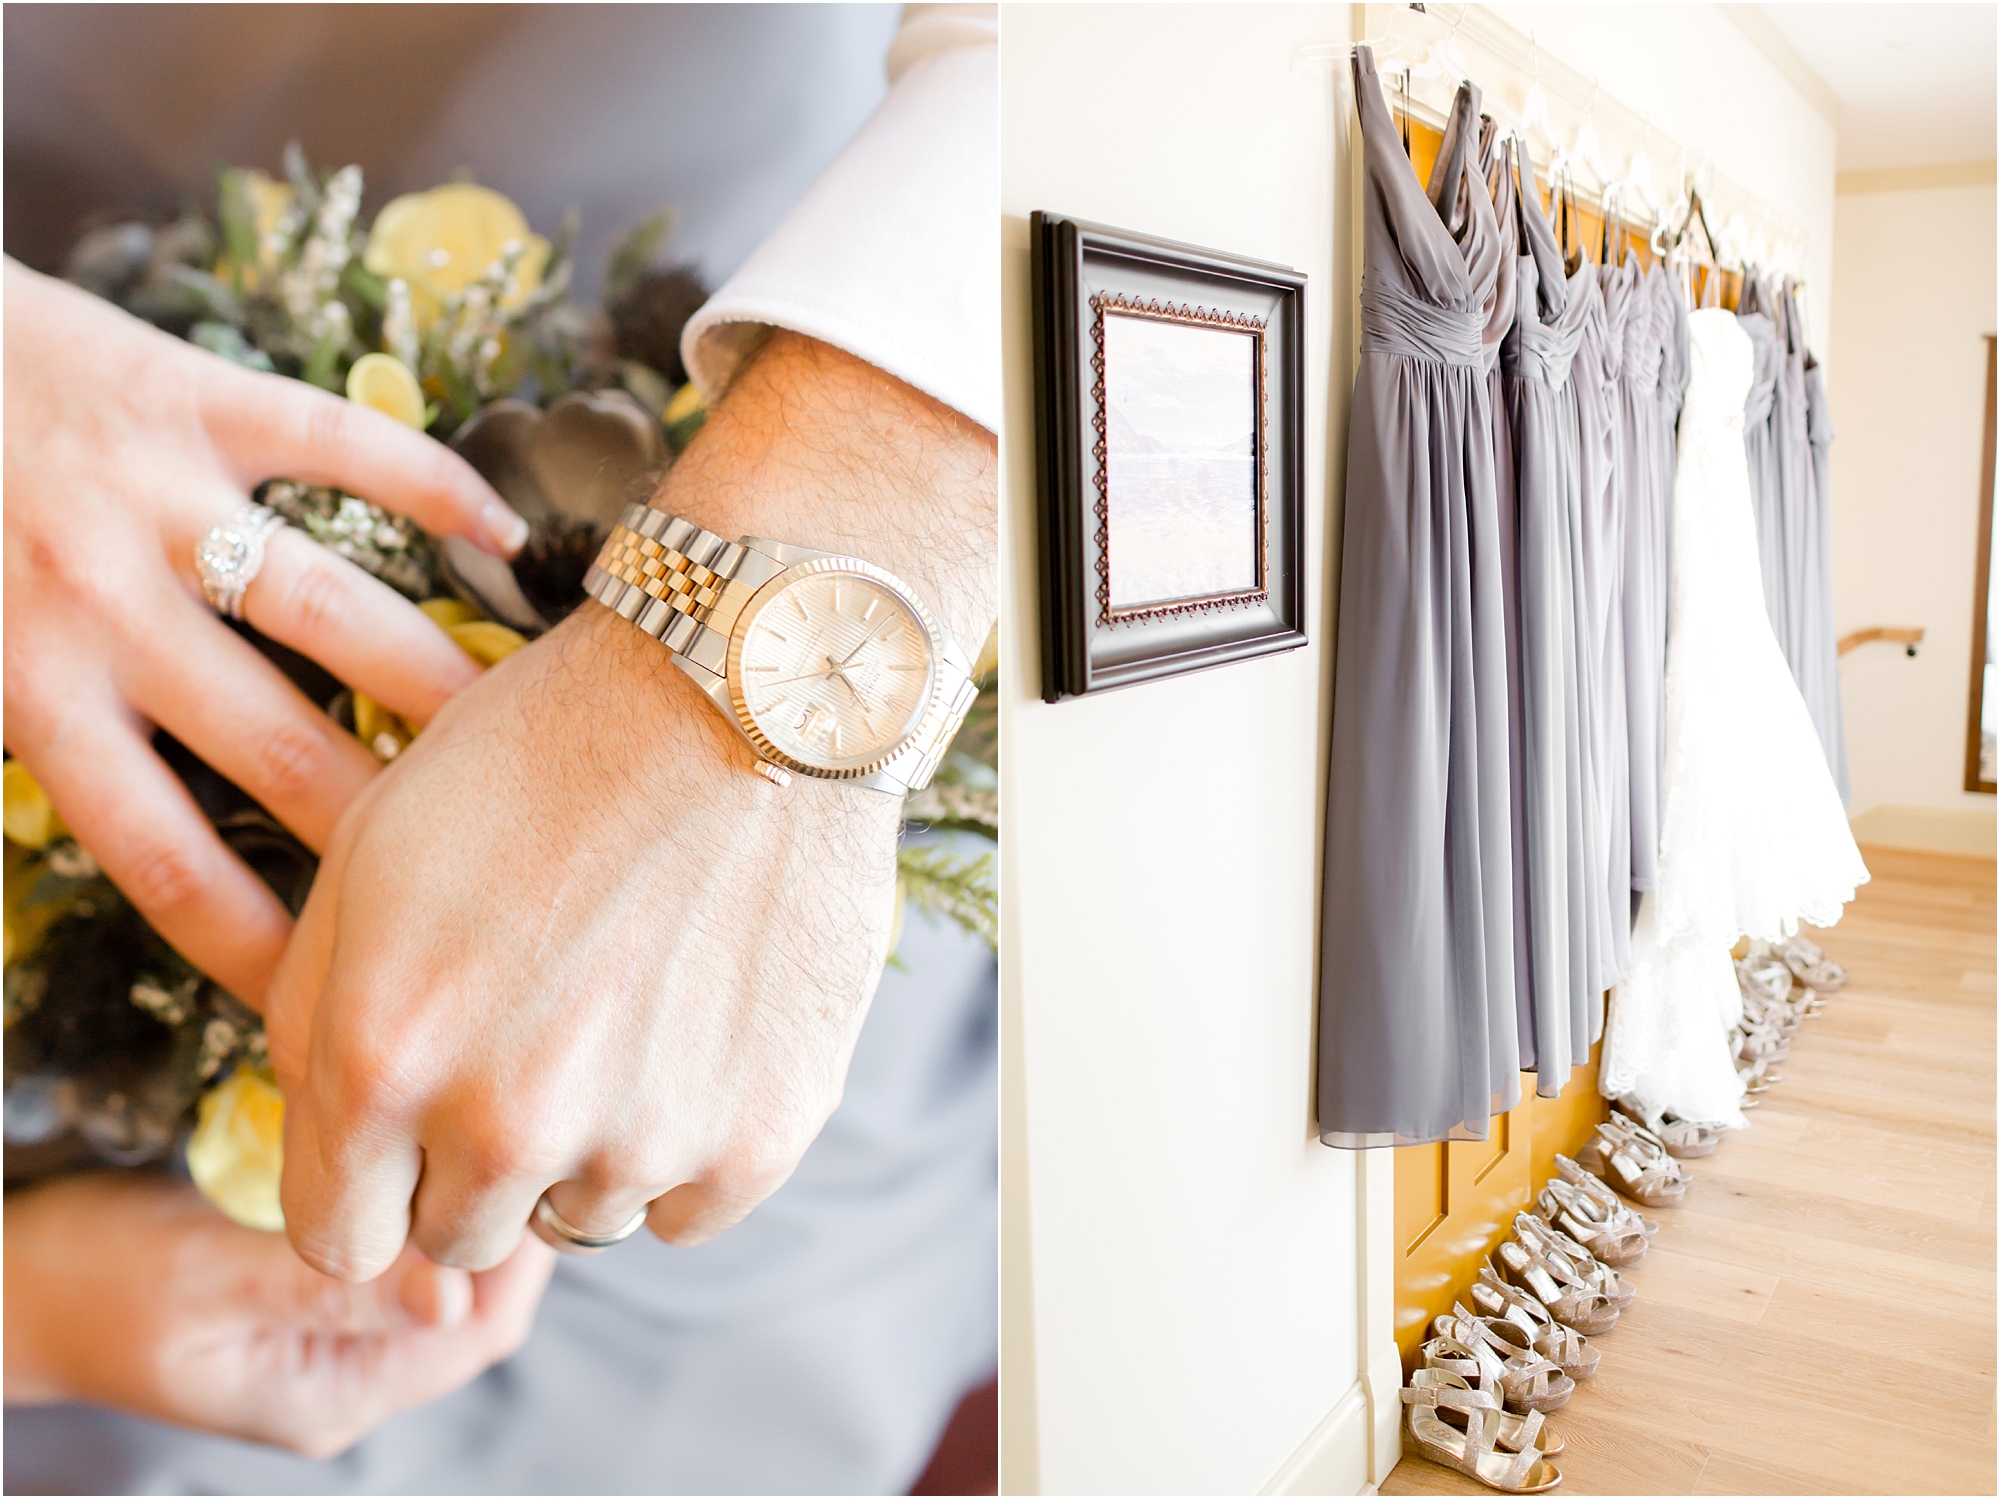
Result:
x=558 y=1232
x=230 y=554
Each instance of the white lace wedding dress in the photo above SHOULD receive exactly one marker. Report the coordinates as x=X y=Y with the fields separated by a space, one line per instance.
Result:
x=1753 y=839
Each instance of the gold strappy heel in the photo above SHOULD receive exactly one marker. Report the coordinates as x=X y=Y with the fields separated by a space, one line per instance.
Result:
x=1608 y=1207
x=1513 y=1316
x=1600 y=1277
x=1610 y=1238
x=1632 y=1158
x=1537 y=1266
x=1811 y=966
x=1685 y=1139
x=1472 y=1451
x=1523 y=1382
x=1515 y=1433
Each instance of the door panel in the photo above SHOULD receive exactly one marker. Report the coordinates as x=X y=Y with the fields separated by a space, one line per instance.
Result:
x=1456 y=1201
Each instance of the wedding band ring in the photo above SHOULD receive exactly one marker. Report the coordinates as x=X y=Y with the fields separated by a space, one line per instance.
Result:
x=229 y=556
x=558 y=1233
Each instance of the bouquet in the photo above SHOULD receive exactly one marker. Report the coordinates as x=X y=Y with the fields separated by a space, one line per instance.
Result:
x=449 y=313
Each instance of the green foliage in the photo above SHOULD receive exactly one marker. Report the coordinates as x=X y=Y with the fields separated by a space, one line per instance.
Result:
x=229 y=342
x=964 y=890
x=681 y=433
x=963 y=797
x=634 y=255
x=236 y=211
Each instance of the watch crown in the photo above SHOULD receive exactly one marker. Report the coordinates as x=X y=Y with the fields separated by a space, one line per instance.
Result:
x=773 y=774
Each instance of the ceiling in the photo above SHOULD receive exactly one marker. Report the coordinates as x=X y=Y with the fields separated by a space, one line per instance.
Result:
x=1915 y=82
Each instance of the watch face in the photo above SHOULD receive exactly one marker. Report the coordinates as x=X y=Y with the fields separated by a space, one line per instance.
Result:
x=836 y=670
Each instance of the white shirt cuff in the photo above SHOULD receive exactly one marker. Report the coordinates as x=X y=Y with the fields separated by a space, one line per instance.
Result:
x=893 y=255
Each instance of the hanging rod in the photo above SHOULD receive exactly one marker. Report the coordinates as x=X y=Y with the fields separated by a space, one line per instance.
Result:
x=1738 y=215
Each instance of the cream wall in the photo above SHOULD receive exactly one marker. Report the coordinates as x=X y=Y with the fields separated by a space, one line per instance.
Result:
x=1916 y=294
x=1191 y=1302
x=1182 y=1308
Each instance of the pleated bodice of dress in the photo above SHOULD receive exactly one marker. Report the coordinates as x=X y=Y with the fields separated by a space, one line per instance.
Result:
x=1417 y=1011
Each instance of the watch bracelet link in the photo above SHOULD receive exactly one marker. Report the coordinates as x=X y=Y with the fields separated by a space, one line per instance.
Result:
x=685 y=587
x=680 y=584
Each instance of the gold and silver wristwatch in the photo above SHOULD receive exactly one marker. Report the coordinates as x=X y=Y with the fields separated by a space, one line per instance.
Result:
x=828 y=666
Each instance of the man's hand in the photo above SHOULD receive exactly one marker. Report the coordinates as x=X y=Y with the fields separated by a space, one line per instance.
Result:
x=571 y=941
x=132 y=1292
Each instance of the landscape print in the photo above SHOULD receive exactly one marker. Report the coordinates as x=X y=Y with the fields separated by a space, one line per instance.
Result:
x=1181 y=437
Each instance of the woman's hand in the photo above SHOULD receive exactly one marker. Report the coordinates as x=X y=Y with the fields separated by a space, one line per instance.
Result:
x=123 y=447
x=132 y=1292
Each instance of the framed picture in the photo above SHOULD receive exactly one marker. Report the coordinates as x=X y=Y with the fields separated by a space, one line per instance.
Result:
x=1170 y=443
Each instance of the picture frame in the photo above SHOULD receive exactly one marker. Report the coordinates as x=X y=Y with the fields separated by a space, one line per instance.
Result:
x=1170 y=443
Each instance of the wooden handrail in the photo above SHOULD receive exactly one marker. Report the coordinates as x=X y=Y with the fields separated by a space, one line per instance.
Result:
x=1906 y=636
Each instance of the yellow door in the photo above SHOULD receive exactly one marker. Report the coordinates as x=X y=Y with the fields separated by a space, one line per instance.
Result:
x=1456 y=1201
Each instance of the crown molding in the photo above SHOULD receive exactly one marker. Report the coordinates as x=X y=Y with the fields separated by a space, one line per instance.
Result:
x=1915 y=179
x=1773 y=43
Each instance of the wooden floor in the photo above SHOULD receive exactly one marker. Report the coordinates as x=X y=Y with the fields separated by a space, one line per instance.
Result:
x=1818 y=1316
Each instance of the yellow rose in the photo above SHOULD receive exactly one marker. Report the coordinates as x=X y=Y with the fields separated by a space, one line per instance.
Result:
x=238 y=1149
x=442 y=241
x=29 y=817
x=384 y=382
x=686 y=402
x=389 y=734
x=269 y=202
x=486 y=642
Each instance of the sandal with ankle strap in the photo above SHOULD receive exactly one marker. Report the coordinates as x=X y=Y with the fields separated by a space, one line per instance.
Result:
x=1765 y=974
x=1600 y=1277
x=1607 y=1206
x=1684 y=1139
x=1523 y=1382
x=1473 y=1451
x=1503 y=1306
x=1515 y=1433
x=1567 y=1208
x=1566 y=1348
x=1633 y=1159
x=1810 y=965
x=1553 y=1281
x=1564 y=1252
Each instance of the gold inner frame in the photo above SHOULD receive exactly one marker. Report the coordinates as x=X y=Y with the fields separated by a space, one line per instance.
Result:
x=1119 y=304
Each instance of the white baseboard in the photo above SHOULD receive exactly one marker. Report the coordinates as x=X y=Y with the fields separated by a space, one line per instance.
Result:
x=1939 y=830
x=1335 y=1456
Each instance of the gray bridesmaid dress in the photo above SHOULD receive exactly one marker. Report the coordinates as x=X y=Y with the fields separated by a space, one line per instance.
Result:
x=1496 y=167
x=1760 y=443
x=1823 y=653
x=1644 y=327
x=1565 y=897
x=1676 y=368
x=1417 y=1013
x=1805 y=500
x=1631 y=372
x=1595 y=375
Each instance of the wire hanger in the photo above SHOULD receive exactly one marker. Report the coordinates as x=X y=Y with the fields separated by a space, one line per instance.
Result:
x=1535 y=108
x=1585 y=148
x=1637 y=183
